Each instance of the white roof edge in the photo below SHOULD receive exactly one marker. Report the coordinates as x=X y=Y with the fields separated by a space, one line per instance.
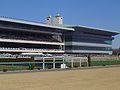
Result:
x=98 y=29
x=33 y=23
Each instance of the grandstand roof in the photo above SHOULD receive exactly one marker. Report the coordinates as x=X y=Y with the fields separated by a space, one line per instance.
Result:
x=92 y=29
x=2 y=18
x=63 y=27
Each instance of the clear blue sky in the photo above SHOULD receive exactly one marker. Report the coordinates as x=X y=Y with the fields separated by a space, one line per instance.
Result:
x=97 y=13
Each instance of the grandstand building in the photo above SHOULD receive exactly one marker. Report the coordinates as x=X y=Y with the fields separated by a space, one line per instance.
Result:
x=89 y=40
x=22 y=36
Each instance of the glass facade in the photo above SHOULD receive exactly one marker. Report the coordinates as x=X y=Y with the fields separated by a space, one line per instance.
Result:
x=89 y=38
x=88 y=48
x=92 y=38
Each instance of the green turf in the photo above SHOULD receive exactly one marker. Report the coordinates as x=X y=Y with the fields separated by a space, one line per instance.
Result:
x=105 y=62
x=13 y=67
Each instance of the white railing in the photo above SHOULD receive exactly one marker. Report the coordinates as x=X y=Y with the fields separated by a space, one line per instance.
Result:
x=29 y=50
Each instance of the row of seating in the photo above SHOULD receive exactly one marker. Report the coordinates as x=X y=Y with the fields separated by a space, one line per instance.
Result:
x=27 y=37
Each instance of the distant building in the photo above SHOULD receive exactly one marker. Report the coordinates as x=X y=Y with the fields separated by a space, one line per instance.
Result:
x=22 y=36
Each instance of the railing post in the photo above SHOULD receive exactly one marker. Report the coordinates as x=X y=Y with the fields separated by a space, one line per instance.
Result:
x=89 y=60
x=72 y=63
x=29 y=66
x=80 y=63
x=13 y=67
x=63 y=60
x=88 y=64
x=43 y=63
x=53 y=62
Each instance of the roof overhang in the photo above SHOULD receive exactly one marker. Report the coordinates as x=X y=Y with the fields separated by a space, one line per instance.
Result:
x=33 y=23
x=94 y=30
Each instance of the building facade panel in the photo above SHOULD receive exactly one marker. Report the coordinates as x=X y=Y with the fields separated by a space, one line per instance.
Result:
x=84 y=41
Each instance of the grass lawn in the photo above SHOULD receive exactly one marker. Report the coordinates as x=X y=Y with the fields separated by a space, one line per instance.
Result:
x=13 y=67
x=105 y=62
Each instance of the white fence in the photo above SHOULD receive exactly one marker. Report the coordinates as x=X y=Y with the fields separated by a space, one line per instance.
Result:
x=79 y=60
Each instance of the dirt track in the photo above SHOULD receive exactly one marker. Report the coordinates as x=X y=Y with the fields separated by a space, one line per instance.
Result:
x=89 y=79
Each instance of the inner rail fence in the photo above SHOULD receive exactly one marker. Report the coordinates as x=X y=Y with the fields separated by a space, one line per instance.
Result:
x=55 y=62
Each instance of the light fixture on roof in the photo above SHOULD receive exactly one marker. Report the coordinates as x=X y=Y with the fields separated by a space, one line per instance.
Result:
x=56 y=20
x=49 y=20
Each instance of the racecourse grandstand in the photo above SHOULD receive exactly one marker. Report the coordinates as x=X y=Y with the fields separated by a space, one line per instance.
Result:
x=21 y=36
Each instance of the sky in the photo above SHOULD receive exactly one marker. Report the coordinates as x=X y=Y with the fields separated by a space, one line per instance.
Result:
x=95 y=13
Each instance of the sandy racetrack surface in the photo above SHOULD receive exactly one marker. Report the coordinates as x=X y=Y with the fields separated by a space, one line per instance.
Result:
x=89 y=79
